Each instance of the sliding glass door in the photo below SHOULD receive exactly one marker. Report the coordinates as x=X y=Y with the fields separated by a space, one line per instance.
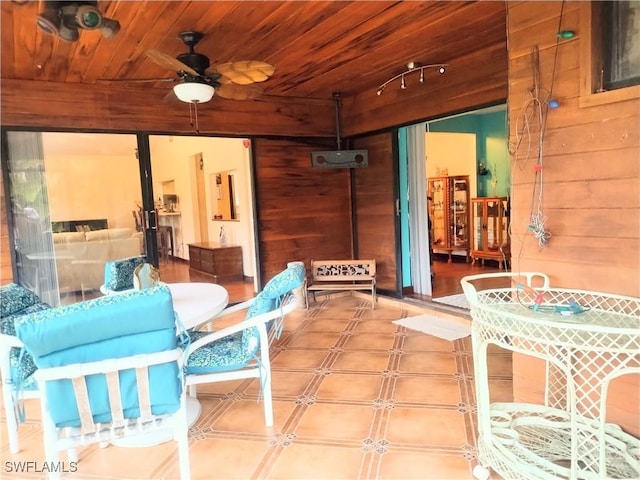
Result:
x=76 y=202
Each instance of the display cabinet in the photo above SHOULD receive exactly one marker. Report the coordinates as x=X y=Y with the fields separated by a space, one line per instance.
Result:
x=490 y=227
x=449 y=214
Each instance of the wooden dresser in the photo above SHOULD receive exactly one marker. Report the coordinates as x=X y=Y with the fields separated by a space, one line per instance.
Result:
x=224 y=262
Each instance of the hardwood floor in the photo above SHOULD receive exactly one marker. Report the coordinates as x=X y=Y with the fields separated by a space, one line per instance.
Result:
x=447 y=277
x=178 y=271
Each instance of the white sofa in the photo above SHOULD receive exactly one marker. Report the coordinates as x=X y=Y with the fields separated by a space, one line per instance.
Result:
x=80 y=256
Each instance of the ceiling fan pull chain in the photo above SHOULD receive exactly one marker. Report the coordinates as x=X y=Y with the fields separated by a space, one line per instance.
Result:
x=195 y=109
x=194 y=124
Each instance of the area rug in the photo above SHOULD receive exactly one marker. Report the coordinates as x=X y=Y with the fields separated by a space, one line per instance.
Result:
x=436 y=326
x=458 y=300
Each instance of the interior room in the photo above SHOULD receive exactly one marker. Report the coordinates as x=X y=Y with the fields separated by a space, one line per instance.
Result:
x=471 y=150
x=216 y=211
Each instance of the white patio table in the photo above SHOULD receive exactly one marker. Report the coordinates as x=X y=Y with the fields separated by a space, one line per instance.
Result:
x=194 y=303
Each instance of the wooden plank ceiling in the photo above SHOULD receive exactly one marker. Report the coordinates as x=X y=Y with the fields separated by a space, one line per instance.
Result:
x=316 y=47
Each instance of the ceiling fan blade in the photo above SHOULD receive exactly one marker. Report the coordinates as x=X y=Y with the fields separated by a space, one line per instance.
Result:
x=171 y=99
x=245 y=72
x=135 y=80
x=169 y=62
x=239 y=92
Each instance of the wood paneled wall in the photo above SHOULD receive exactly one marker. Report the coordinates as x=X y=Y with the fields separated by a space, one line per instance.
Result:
x=375 y=214
x=590 y=177
x=304 y=213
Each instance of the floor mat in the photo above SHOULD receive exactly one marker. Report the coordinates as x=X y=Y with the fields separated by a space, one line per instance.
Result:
x=436 y=326
x=458 y=300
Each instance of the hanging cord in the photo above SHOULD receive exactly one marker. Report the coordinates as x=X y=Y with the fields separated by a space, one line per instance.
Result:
x=536 y=109
x=537 y=218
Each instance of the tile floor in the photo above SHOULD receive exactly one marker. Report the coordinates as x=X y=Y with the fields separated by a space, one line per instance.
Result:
x=355 y=397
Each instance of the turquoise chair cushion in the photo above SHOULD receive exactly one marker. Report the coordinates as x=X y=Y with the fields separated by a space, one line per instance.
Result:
x=14 y=298
x=236 y=351
x=115 y=326
x=118 y=274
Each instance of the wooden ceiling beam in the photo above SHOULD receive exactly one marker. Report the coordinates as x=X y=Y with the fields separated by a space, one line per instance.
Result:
x=40 y=104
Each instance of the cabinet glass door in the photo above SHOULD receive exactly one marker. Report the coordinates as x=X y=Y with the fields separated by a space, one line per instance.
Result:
x=478 y=223
x=494 y=227
x=459 y=217
x=437 y=212
x=504 y=230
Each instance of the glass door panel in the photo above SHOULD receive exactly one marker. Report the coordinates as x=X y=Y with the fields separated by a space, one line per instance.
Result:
x=493 y=227
x=478 y=222
x=459 y=213
x=75 y=200
x=437 y=208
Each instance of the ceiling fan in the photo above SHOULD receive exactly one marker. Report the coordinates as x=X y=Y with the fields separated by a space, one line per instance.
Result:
x=198 y=80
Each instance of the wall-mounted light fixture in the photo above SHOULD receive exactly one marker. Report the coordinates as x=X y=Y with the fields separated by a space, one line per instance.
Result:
x=412 y=67
x=66 y=18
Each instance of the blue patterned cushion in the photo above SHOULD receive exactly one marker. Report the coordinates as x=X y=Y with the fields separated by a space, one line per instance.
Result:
x=115 y=326
x=236 y=351
x=7 y=324
x=271 y=295
x=223 y=354
x=118 y=274
x=22 y=369
x=14 y=297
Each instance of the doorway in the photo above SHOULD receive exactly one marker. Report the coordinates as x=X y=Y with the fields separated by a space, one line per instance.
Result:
x=472 y=145
x=193 y=166
x=88 y=197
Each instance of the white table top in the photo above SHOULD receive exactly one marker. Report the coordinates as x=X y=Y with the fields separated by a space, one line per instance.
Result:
x=196 y=303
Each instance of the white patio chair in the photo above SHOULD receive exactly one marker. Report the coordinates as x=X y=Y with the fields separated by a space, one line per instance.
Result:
x=107 y=369
x=61 y=432
x=242 y=350
x=13 y=369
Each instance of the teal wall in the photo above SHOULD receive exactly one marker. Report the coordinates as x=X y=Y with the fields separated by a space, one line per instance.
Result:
x=491 y=148
x=404 y=207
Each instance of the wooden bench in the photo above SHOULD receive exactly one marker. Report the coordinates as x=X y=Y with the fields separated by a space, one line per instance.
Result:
x=327 y=275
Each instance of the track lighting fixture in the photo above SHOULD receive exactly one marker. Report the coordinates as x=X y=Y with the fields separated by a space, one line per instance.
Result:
x=412 y=67
x=65 y=18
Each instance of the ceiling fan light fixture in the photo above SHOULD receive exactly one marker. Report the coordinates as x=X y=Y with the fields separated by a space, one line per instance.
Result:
x=194 y=92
